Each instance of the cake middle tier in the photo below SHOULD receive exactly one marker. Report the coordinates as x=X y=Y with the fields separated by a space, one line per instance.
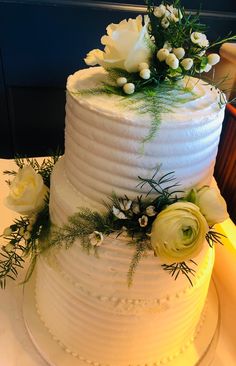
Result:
x=104 y=148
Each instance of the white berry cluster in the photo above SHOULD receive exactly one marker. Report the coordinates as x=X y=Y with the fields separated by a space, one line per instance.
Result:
x=167 y=14
x=175 y=57
x=129 y=88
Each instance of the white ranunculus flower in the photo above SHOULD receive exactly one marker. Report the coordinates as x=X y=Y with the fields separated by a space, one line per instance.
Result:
x=126 y=46
x=178 y=232
x=27 y=192
x=212 y=205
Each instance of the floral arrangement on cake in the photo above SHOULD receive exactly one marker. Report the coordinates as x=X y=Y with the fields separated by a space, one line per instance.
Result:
x=189 y=216
x=149 y=61
x=166 y=45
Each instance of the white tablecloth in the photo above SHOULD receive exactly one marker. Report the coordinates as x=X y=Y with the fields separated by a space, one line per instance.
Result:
x=16 y=348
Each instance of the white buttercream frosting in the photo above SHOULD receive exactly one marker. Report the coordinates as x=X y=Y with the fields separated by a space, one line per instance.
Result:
x=103 y=140
x=83 y=300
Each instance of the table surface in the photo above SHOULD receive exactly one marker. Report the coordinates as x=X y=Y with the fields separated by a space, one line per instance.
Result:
x=16 y=348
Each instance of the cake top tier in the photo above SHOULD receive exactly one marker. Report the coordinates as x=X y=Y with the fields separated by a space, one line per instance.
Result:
x=188 y=100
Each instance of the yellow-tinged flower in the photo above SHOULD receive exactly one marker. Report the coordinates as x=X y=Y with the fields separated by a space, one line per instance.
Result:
x=126 y=46
x=212 y=205
x=178 y=232
x=27 y=192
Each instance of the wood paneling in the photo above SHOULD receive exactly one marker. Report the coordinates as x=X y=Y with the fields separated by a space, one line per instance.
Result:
x=225 y=169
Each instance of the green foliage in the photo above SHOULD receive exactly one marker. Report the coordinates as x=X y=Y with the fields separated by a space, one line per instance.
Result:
x=44 y=168
x=175 y=269
x=28 y=233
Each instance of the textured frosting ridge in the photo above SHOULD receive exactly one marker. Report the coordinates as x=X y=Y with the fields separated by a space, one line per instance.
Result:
x=104 y=150
x=90 y=302
x=85 y=301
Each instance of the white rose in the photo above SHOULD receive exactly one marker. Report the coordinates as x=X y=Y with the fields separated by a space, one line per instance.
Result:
x=143 y=65
x=93 y=57
x=212 y=205
x=178 y=232
x=126 y=46
x=27 y=192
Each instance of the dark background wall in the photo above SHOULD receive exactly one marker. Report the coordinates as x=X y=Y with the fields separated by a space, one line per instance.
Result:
x=42 y=42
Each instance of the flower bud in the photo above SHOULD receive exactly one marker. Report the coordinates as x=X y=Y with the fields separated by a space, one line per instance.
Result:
x=187 y=63
x=96 y=238
x=121 y=81
x=162 y=54
x=207 y=68
x=145 y=74
x=172 y=61
x=159 y=11
x=179 y=52
x=143 y=65
x=165 y=23
x=168 y=46
x=129 y=88
x=213 y=59
x=143 y=221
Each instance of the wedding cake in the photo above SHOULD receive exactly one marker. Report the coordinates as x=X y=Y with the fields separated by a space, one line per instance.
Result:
x=125 y=277
x=85 y=301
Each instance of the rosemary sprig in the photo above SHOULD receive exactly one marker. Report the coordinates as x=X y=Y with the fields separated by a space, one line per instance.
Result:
x=175 y=269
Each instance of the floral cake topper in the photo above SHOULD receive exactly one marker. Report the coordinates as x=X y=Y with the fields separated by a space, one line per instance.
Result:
x=166 y=44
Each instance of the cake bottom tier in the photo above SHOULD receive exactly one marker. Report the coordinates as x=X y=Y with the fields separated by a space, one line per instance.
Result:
x=86 y=304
